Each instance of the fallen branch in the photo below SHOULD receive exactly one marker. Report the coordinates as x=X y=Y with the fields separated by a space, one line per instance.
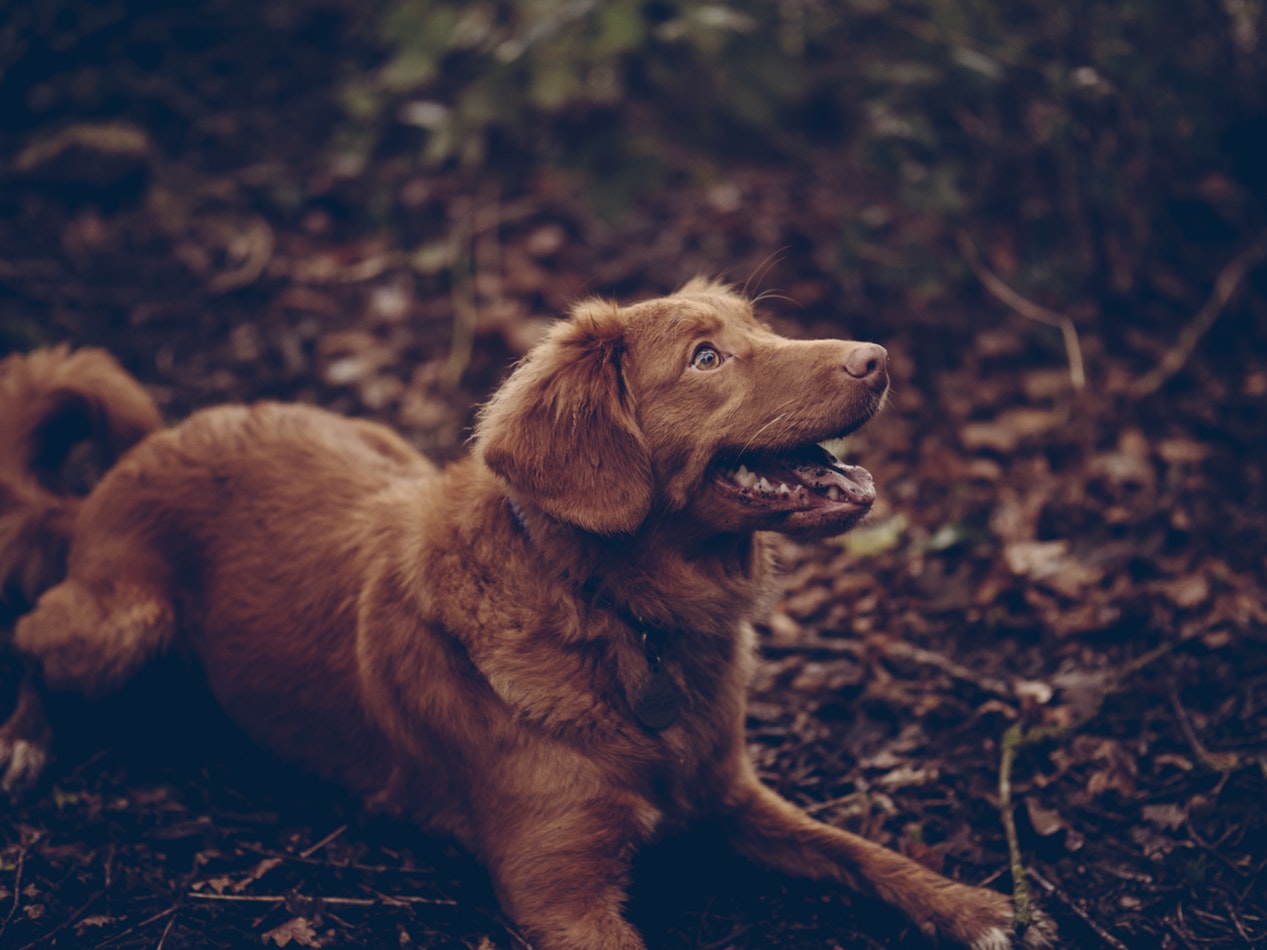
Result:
x=1224 y=287
x=1027 y=309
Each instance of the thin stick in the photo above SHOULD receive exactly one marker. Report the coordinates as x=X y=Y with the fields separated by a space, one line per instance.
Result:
x=166 y=930
x=1022 y=908
x=309 y=852
x=462 y=300
x=385 y=900
x=135 y=927
x=1100 y=932
x=1214 y=761
x=17 y=889
x=74 y=918
x=893 y=650
x=1027 y=309
x=904 y=651
x=815 y=807
x=1224 y=287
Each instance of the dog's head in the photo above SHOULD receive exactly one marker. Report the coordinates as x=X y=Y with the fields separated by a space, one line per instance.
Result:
x=685 y=406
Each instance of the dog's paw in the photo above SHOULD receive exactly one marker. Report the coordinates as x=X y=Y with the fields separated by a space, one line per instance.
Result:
x=994 y=938
x=1039 y=934
x=981 y=919
x=21 y=765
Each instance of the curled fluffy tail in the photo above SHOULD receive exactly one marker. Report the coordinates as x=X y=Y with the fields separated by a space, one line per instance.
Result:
x=51 y=402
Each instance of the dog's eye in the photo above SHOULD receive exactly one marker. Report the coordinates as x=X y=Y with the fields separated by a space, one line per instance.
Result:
x=706 y=358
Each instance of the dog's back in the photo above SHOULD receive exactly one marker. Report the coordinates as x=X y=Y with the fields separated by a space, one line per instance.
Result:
x=196 y=532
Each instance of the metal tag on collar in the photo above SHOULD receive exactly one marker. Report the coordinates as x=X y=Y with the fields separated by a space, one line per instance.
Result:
x=660 y=704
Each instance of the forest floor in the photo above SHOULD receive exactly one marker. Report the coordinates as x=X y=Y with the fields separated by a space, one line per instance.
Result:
x=1084 y=569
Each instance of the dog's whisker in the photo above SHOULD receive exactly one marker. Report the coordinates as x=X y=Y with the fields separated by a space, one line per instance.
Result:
x=755 y=435
x=776 y=295
x=762 y=270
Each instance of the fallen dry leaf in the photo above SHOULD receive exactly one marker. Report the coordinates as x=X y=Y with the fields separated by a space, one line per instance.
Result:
x=1045 y=821
x=1051 y=564
x=1168 y=816
x=297 y=930
x=1008 y=430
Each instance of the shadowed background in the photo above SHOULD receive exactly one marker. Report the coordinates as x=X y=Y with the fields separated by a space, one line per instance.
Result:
x=1053 y=217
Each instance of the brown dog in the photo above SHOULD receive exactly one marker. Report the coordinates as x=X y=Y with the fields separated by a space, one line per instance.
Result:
x=542 y=650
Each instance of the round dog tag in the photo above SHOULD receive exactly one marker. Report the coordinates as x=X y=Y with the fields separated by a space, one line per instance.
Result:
x=660 y=703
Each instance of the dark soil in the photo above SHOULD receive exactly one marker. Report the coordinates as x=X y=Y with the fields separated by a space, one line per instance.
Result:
x=1084 y=567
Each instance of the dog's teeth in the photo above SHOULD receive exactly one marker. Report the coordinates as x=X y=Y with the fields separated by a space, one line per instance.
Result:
x=783 y=489
x=763 y=484
x=833 y=493
x=743 y=478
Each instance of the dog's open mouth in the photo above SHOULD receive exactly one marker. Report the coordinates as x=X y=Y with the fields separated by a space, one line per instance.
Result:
x=801 y=479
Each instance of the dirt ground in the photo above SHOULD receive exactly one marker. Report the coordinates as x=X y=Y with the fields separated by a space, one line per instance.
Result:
x=1055 y=617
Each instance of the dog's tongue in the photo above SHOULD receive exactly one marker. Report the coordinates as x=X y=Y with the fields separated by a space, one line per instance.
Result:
x=853 y=481
x=812 y=469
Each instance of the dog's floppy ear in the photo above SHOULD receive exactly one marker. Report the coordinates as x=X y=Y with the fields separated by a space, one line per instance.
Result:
x=563 y=430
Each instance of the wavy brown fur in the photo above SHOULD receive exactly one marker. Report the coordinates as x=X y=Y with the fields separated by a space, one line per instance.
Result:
x=466 y=646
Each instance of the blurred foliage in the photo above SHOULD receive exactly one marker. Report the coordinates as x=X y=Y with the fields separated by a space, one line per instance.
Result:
x=619 y=90
x=1089 y=138
x=1107 y=151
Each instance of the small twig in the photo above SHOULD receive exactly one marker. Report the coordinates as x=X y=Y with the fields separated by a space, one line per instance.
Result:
x=349 y=865
x=1027 y=309
x=74 y=918
x=1100 y=932
x=1240 y=927
x=17 y=888
x=385 y=901
x=135 y=927
x=1214 y=761
x=1022 y=908
x=309 y=852
x=813 y=644
x=895 y=649
x=462 y=299
x=1225 y=286
x=1180 y=929
x=166 y=930
x=815 y=807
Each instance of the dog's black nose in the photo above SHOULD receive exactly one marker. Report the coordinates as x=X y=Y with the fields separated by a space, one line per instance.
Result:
x=869 y=362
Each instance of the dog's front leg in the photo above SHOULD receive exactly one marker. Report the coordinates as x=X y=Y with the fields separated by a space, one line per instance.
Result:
x=24 y=737
x=774 y=832
x=562 y=875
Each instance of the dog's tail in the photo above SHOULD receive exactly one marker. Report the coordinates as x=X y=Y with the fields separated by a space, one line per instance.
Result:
x=52 y=402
